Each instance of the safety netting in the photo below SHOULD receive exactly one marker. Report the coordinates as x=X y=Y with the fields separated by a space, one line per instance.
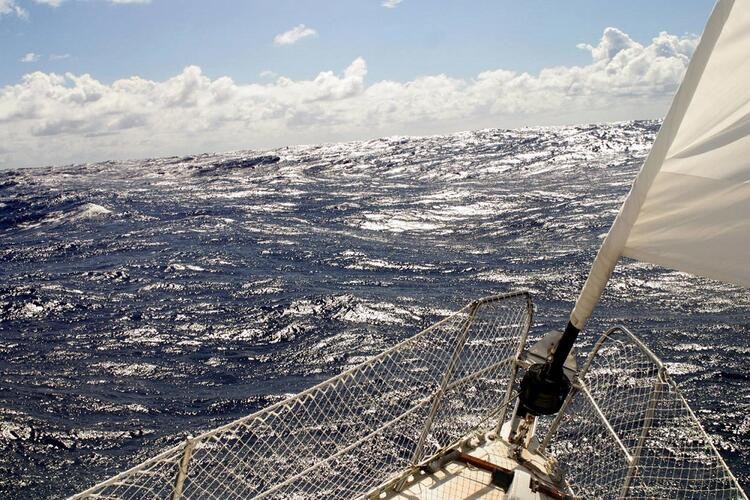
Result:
x=358 y=430
x=626 y=431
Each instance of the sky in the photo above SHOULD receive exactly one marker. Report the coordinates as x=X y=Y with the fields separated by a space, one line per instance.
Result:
x=92 y=80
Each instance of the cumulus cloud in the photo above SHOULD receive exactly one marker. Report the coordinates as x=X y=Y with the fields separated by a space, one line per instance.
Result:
x=390 y=4
x=294 y=35
x=30 y=58
x=56 y=118
x=11 y=8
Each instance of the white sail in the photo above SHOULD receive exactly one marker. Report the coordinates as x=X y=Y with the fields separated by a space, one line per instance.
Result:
x=689 y=208
x=696 y=216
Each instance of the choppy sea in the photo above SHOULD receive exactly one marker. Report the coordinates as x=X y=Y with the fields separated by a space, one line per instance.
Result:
x=144 y=300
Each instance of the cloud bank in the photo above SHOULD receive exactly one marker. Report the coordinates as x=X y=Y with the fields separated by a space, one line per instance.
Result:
x=52 y=118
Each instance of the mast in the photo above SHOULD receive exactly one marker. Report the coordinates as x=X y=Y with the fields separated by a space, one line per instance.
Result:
x=550 y=378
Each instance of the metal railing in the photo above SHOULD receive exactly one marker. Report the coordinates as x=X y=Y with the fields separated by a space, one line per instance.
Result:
x=360 y=429
x=626 y=431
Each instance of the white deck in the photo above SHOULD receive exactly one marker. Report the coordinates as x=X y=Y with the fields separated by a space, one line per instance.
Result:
x=458 y=480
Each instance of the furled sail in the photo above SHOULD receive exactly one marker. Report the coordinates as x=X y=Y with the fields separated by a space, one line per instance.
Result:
x=689 y=207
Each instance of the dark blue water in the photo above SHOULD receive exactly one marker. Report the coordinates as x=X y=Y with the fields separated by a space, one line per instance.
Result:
x=144 y=300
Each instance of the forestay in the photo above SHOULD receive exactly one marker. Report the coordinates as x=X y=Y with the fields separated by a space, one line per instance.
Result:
x=689 y=208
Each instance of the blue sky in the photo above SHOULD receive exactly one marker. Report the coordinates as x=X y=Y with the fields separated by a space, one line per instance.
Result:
x=418 y=37
x=413 y=41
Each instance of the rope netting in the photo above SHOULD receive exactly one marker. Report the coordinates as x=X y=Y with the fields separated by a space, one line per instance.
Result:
x=627 y=432
x=358 y=430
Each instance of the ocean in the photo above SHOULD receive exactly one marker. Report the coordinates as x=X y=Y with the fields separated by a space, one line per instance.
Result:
x=145 y=300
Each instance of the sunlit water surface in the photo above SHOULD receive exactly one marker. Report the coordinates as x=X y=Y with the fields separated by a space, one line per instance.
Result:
x=144 y=300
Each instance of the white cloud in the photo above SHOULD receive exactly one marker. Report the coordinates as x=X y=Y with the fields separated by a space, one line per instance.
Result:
x=52 y=118
x=11 y=8
x=30 y=58
x=58 y=57
x=51 y=3
x=57 y=3
x=294 y=35
x=390 y=4
x=267 y=73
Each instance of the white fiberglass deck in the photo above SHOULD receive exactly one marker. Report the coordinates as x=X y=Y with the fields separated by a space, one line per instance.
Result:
x=458 y=479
